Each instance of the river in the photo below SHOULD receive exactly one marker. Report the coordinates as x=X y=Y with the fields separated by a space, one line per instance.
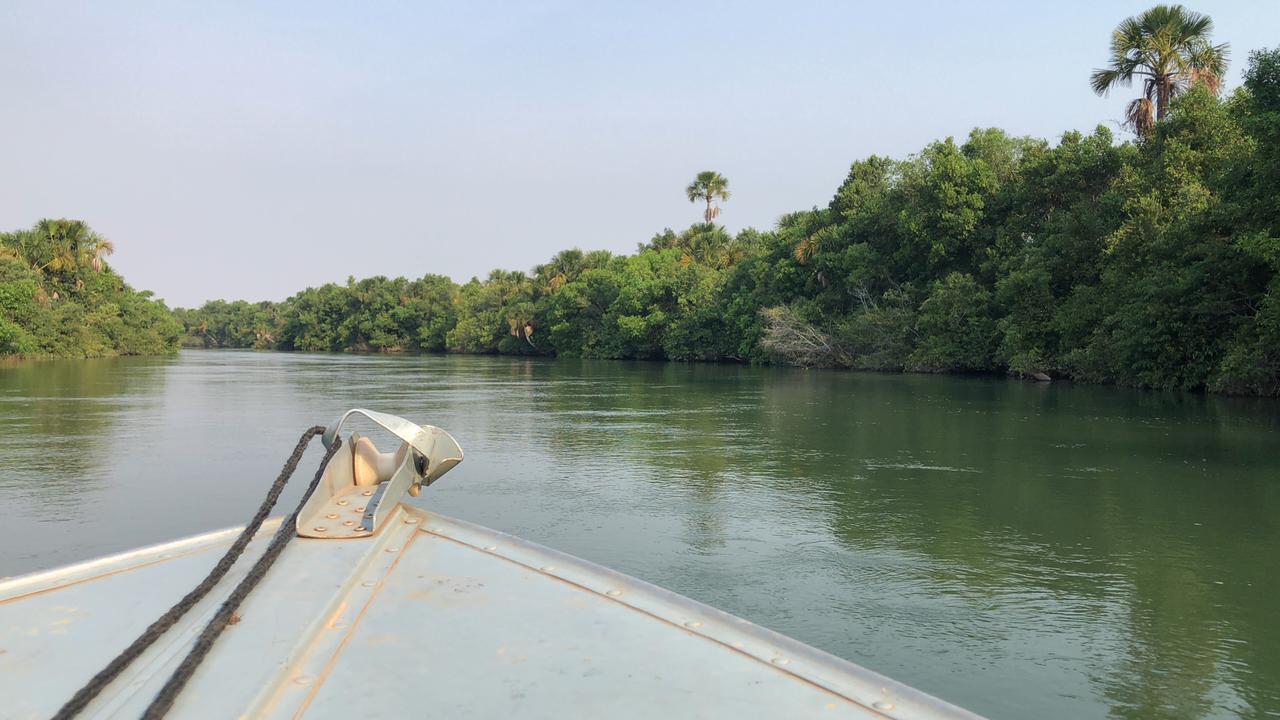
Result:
x=1022 y=550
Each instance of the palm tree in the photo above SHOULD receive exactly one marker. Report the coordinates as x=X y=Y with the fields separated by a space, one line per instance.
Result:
x=812 y=244
x=96 y=253
x=1169 y=47
x=67 y=245
x=708 y=245
x=710 y=186
x=564 y=268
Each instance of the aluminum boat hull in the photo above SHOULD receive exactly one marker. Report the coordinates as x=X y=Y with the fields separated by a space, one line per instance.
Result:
x=429 y=617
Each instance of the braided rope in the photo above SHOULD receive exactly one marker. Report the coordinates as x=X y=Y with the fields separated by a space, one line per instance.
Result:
x=164 y=699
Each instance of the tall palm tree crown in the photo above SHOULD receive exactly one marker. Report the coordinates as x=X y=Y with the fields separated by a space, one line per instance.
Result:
x=1168 y=46
x=709 y=186
x=62 y=246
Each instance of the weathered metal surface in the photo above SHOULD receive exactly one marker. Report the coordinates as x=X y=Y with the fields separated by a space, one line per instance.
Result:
x=435 y=444
x=429 y=617
x=362 y=486
x=341 y=508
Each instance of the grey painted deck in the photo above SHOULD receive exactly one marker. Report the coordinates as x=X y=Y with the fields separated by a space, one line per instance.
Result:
x=430 y=617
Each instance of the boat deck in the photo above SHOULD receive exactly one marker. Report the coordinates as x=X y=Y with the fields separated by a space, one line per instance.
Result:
x=431 y=617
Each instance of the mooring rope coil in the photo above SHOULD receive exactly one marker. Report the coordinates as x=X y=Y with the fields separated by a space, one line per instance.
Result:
x=168 y=694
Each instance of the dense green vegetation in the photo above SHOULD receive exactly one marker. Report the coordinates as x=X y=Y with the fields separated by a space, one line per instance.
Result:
x=59 y=298
x=1153 y=263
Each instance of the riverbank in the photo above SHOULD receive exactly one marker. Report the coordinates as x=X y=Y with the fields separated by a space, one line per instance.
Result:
x=60 y=299
x=1151 y=263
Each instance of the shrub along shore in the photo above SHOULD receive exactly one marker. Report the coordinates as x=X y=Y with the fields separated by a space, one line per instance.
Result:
x=1153 y=263
x=59 y=298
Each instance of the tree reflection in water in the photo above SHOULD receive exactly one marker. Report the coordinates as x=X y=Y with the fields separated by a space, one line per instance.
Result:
x=1023 y=550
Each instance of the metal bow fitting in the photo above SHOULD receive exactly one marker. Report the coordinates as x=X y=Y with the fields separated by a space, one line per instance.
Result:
x=362 y=486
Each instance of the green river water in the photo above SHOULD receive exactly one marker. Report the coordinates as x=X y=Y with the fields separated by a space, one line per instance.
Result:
x=1022 y=550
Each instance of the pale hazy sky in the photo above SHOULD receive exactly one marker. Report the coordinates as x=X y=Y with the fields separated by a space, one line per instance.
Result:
x=235 y=150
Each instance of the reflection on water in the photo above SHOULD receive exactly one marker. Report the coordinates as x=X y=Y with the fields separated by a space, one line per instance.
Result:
x=1023 y=550
x=57 y=423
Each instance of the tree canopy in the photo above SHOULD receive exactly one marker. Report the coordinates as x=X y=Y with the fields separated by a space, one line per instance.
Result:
x=59 y=298
x=1153 y=264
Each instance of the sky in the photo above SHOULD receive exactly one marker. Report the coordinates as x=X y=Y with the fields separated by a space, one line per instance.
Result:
x=249 y=150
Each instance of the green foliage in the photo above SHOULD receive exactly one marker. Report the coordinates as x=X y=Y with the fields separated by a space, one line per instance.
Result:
x=882 y=335
x=1174 y=283
x=58 y=298
x=1251 y=359
x=1155 y=264
x=236 y=325
x=371 y=315
x=955 y=325
x=1050 y=247
x=19 y=311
